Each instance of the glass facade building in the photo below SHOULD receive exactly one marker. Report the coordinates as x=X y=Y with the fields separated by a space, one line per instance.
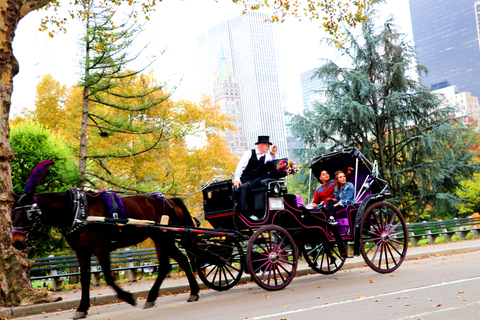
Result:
x=446 y=38
x=248 y=46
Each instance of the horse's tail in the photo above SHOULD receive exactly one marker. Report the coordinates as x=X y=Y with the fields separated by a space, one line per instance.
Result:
x=179 y=202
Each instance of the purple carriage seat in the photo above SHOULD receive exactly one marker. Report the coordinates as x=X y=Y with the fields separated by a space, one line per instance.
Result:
x=342 y=216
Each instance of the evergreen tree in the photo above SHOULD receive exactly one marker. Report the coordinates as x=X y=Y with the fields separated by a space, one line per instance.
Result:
x=377 y=106
x=111 y=109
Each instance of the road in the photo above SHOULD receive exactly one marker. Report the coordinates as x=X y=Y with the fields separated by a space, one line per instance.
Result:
x=443 y=287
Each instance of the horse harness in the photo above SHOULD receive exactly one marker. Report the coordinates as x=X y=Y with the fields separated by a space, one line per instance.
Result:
x=79 y=209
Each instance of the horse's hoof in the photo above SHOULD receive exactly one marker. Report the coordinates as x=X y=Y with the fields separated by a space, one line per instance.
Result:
x=149 y=304
x=193 y=297
x=79 y=315
x=130 y=300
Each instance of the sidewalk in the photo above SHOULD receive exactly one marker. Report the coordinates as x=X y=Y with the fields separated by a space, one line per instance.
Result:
x=105 y=294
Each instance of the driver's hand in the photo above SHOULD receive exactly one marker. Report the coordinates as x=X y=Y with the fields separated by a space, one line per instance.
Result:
x=274 y=150
x=237 y=183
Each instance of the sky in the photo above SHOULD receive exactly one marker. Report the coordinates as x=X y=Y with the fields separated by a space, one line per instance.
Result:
x=174 y=29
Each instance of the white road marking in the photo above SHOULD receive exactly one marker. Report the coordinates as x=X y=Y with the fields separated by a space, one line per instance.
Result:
x=362 y=299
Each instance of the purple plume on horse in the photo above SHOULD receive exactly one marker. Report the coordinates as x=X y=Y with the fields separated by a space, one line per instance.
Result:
x=37 y=174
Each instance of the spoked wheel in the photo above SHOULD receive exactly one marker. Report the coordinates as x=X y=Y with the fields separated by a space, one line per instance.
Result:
x=225 y=276
x=272 y=257
x=384 y=237
x=323 y=260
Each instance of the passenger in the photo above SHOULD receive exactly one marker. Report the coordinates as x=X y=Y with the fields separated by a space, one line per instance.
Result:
x=343 y=193
x=254 y=164
x=325 y=191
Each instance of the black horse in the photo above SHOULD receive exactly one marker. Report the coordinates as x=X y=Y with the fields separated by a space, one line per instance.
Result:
x=68 y=210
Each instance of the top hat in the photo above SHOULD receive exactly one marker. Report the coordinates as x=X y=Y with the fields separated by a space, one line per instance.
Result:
x=264 y=139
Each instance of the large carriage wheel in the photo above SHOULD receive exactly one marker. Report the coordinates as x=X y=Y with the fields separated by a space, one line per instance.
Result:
x=222 y=277
x=272 y=257
x=323 y=260
x=384 y=237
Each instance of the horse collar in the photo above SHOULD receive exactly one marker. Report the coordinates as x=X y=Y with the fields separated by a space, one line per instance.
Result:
x=79 y=210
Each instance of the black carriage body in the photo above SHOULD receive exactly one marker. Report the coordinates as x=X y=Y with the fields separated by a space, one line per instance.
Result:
x=218 y=204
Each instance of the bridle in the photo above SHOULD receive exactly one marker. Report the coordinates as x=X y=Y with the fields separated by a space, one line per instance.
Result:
x=34 y=215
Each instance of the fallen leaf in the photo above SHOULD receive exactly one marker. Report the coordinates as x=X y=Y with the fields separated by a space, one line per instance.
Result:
x=377 y=300
x=286 y=307
x=361 y=297
x=172 y=306
x=437 y=305
x=370 y=281
x=407 y=304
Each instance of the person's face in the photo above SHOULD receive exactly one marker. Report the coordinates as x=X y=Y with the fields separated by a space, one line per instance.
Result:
x=263 y=147
x=341 y=178
x=324 y=177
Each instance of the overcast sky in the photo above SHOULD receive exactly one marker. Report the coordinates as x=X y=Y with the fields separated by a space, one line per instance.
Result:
x=174 y=28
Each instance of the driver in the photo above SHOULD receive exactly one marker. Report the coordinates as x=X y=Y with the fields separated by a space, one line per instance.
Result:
x=254 y=163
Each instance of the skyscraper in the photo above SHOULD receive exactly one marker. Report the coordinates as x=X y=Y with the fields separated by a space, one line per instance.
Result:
x=247 y=45
x=447 y=43
x=311 y=87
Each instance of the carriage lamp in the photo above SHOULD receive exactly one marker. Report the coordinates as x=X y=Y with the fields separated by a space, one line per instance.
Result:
x=275 y=203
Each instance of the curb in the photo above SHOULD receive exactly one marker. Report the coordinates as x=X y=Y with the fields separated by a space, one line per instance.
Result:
x=180 y=288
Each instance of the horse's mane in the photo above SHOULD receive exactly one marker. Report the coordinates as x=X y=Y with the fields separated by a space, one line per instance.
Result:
x=37 y=174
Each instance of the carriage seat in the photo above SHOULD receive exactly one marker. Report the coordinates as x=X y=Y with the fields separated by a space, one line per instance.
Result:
x=258 y=196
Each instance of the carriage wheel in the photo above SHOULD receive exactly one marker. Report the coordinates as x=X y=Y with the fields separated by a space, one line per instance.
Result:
x=272 y=257
x=384 y=237
x=226 y=276
x=319 y=260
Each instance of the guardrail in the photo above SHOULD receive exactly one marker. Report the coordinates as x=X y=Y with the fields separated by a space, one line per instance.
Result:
x=432 y=229
x=58 y=268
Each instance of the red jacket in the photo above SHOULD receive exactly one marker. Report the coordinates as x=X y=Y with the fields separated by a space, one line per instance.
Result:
x=322 y=193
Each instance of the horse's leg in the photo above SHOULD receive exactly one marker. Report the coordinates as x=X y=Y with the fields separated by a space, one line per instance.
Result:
x=164 y=268
x=182 y=261
x=84 y=259
x=103 y=256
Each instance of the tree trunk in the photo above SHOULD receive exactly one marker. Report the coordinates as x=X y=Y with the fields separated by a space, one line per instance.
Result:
x=83 y=139
x=15 y=287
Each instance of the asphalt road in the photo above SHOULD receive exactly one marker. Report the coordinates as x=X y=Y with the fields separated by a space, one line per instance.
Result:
x=442 y=287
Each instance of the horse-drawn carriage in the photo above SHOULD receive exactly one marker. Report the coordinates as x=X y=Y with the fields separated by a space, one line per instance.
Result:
x=282 y=227
x=265 y=241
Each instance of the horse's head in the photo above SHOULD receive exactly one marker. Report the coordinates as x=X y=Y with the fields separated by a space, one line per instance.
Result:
x=25 y=212
x=25 y=220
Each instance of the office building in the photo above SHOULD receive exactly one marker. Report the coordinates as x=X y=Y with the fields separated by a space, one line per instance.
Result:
x=311 y=87
x=246 y=45
x=467 y=106
x=447 y=43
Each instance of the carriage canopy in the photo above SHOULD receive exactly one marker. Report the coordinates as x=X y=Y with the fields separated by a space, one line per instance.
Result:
x=364 y=171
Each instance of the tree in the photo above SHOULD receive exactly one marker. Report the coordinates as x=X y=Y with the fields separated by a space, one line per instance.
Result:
x=16 y=287
x=33 y=143
x=378 y=107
